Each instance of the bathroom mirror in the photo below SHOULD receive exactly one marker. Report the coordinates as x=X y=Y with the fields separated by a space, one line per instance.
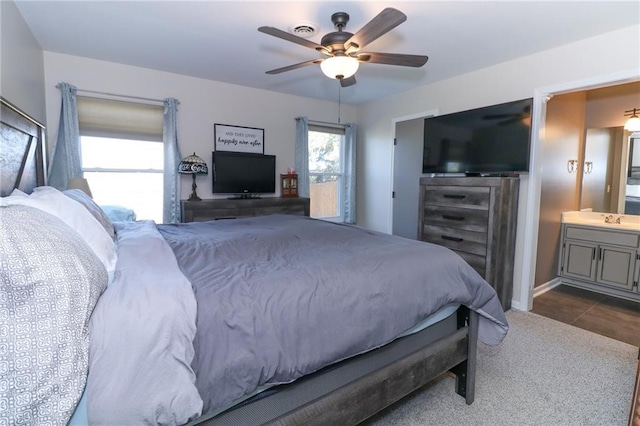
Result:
x=610 y=178
x=632 y=193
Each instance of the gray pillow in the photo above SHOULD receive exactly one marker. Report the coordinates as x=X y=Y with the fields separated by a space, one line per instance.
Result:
x=50 y=281
x=94 y=209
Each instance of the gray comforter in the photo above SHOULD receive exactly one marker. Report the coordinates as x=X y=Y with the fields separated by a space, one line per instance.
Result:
x=282 y=296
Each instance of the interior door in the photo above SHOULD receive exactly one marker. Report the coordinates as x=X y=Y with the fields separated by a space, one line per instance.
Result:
x=407 y=169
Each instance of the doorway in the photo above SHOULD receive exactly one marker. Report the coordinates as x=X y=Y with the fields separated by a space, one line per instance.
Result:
x=536 y=196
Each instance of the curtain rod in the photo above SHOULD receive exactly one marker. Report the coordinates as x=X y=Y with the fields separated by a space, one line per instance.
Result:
x=326 y=124
x=121 y=96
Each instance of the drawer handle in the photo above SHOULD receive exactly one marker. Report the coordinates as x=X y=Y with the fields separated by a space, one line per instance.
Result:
x=455 y=196
x=457 y=240
x=593 y=256
x=449 y=217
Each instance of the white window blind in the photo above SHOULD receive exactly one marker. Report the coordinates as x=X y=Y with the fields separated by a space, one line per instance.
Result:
x=119 y=119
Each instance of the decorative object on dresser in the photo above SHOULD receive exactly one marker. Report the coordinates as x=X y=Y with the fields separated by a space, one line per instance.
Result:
x=246 y=207
x=193 y=165
x=476 y=218
x=289 y=185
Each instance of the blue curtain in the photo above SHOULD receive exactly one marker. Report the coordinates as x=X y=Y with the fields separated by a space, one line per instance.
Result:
x=66 y=163
x=349 y=190
x=302 y=155
x=171 y=200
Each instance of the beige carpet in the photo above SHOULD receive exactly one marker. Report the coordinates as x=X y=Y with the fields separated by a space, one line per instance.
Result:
x=544 y=373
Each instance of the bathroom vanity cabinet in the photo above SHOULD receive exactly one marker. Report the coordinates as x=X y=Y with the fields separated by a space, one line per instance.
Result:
x=601 y=258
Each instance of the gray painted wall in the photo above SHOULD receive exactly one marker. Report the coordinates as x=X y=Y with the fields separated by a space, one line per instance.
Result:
x=22 y=65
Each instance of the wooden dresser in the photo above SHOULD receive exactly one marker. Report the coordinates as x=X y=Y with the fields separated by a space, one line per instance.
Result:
x=199 y=211
x=476 y=218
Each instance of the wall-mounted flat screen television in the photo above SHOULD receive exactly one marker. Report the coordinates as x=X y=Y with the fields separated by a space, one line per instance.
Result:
x=243 y=174
x=492 y=140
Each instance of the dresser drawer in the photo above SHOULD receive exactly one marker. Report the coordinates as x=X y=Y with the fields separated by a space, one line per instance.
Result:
x=457 y=239
x=476 y=197
x=479 y=263
x=456 y=217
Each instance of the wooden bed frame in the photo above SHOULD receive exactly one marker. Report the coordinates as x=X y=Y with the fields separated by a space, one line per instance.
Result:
x=23 y=166
x=365 y=396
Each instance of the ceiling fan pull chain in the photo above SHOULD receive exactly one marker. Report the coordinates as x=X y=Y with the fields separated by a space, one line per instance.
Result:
x=339 y=92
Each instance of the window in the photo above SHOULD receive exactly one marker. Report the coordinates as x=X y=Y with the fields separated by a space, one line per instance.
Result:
x=122 y=154
x=125 y=172
x=326 y=172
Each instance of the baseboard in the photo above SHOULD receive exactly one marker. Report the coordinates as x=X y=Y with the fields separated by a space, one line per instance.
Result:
x=518 y=306
x=543 y=288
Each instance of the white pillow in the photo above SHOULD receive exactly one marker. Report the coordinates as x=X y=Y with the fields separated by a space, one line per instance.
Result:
x=73 y=214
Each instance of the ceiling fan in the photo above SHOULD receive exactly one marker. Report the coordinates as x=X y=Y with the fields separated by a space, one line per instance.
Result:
x=344 y=48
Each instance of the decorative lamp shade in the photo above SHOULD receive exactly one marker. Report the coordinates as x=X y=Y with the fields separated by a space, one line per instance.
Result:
x=339 y=66
x=633 y=123
x=81 y=184
x=193 y=165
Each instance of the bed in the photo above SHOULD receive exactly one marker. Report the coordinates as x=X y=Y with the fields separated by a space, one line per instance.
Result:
x=268 y=320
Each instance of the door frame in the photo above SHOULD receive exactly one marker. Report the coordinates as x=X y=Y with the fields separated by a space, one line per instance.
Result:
x=532 y=208
x=394 y=122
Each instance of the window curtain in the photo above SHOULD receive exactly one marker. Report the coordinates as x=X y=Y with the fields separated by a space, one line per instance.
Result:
x=302 y=155
x=66 y=163
x=349 y=198
x=171 y=201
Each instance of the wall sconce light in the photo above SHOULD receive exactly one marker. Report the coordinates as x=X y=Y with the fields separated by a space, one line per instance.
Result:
x=588 y=167
x=572 y=166
x=633 y=123
x=193 y=165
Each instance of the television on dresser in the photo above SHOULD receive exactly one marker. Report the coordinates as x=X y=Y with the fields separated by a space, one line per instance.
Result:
x=488 y=141
x=243 y=174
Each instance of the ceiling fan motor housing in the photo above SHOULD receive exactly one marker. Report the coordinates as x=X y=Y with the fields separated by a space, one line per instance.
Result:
x=334 y=41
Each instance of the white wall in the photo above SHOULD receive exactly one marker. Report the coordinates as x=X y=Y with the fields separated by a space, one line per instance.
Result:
x=599 y=56
x=22 y=64
x=202 y=103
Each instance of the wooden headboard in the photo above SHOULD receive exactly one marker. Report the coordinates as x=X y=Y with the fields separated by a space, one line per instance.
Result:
x=22 y=162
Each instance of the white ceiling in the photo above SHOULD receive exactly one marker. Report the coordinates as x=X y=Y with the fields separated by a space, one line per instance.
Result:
x=218 y=40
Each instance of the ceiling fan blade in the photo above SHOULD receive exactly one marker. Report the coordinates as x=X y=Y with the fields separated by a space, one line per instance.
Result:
x=294 y=39
x=384 y=22
x=294 y=66
x=349 y=81
x=393 y=59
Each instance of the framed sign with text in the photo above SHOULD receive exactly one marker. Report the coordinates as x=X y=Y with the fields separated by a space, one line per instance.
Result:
x=238 y=138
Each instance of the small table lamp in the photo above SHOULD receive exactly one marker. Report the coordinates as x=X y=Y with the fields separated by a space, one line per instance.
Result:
x=193 y=165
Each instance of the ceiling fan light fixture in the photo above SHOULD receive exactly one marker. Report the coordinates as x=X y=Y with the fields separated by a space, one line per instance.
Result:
x=633 y=123
x=339 y=67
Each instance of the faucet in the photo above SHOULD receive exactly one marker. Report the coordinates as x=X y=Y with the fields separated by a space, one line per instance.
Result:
x=618 y=220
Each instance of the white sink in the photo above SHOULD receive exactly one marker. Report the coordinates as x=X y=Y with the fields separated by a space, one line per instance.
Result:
x=603 y=220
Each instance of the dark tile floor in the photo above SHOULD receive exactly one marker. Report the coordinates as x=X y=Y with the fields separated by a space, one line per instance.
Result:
x=598 y=313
